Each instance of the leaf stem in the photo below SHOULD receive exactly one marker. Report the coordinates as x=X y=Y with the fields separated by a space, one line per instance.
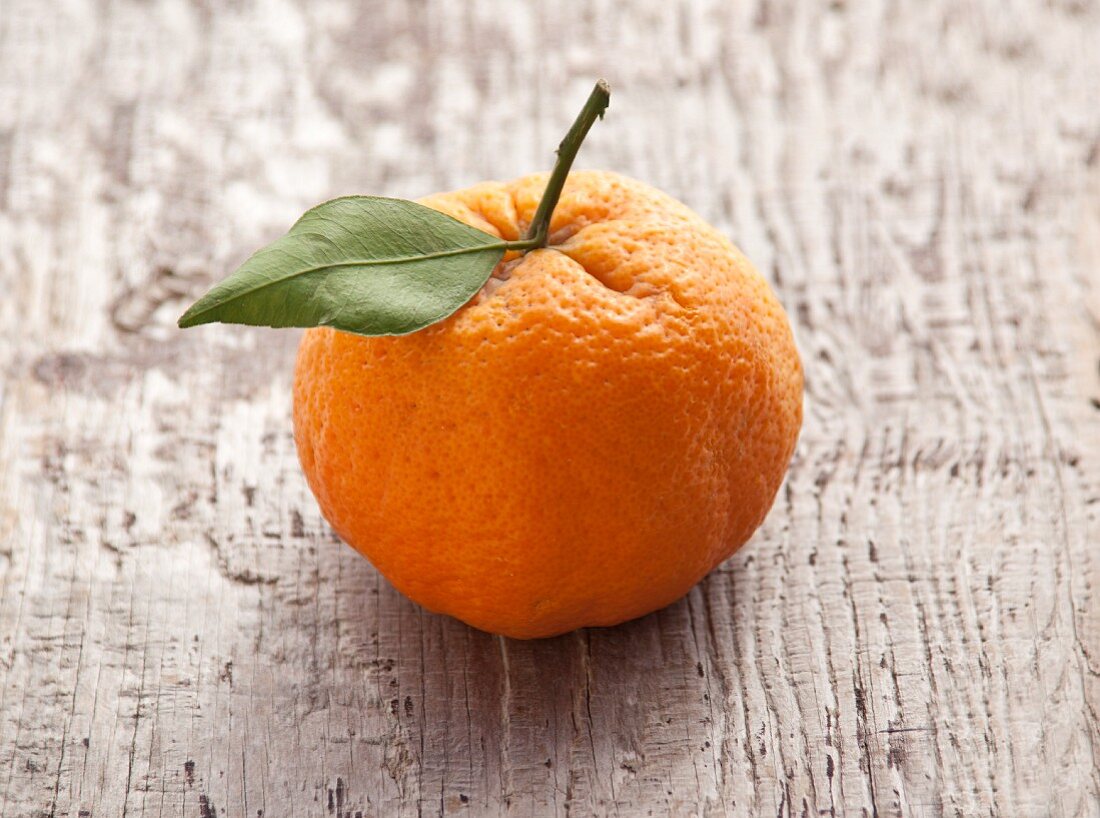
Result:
x=539 y=231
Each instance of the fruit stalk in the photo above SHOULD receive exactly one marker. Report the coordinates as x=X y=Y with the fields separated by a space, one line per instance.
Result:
x=539 y=231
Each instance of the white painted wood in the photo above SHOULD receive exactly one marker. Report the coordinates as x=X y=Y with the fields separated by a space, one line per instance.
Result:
x=915 y=630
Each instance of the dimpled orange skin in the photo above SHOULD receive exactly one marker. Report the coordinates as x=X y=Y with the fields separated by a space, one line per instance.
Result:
x=604 y=423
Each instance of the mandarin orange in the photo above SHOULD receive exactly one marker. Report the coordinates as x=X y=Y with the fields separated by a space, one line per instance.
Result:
x=604 y=423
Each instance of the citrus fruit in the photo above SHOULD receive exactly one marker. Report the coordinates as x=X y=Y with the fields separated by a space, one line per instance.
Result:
x=608 y=419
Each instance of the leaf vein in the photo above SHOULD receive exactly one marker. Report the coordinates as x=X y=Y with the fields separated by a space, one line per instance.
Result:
x=191 y=314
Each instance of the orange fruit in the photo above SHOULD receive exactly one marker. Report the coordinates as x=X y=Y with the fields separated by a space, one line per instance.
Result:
x=605 y=422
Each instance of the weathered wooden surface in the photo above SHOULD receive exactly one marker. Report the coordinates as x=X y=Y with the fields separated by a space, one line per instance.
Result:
x=915 y=630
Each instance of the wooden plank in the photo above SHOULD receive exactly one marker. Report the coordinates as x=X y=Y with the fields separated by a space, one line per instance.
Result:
x=914 y=631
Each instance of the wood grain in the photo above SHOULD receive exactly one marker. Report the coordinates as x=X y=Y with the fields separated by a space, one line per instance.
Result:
x=914 y=631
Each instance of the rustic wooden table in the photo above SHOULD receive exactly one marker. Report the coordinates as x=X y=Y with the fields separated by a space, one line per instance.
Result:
x=914 y=631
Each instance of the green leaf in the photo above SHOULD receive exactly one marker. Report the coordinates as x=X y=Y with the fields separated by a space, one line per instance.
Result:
x=361 y=264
